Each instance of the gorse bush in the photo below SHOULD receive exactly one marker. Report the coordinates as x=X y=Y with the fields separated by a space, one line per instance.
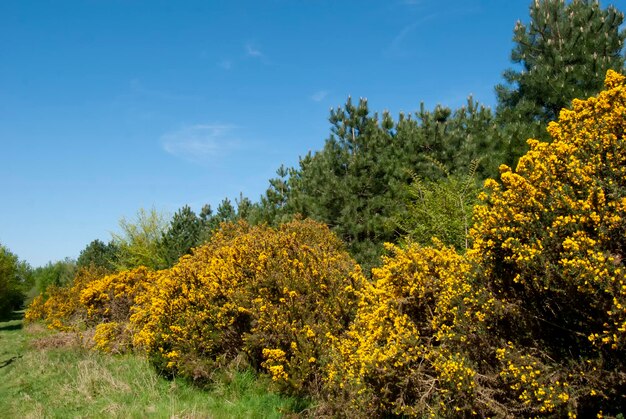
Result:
x=550 y=243
x=404 y=352
x=109 y=301
x=60 y=306
x=279 y=296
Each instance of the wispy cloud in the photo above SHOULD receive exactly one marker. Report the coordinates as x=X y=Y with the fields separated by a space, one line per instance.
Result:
x=252 y=51
x=201 y=142
x=319 y=96
x=396 y=46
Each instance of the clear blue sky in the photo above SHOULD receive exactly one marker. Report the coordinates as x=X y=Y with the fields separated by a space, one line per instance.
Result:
x=107 y=106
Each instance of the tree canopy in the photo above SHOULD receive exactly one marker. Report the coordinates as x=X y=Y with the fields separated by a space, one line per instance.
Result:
x=563 y=53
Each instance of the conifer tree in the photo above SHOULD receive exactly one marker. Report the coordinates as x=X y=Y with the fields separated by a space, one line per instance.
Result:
x=357 y=184
x=183 y=234
x=563 y=53
x=99 y=254
x=347 y=185
x=272 y=207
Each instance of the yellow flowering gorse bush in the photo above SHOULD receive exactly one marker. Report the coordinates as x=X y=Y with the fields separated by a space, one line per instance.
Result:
x=60 y=307
x=532 y=321
x=278 y=295
x=402 y=354
x=550 y=245
x=109 y=301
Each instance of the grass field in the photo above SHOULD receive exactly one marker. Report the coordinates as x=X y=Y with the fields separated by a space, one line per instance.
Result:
x=46 y=374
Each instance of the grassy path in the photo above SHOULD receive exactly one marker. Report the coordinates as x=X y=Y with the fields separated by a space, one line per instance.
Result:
x=49 y=375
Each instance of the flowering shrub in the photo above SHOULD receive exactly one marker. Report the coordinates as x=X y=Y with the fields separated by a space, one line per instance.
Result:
x=550 y=243
x=109 y=301
x=278 y=295
x=60 y=307
x=402 y=354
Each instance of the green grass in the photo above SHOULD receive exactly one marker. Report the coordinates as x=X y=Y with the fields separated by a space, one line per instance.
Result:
x=44 y=374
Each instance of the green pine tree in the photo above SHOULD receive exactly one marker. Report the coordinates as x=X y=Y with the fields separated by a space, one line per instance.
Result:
x=181 y=236
x=563 y=53
x=99 y=254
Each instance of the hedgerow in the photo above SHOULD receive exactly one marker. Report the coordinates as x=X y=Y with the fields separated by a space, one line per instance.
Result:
x=529 y=322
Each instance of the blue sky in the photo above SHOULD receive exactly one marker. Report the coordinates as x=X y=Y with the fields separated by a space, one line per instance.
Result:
x=108 y=106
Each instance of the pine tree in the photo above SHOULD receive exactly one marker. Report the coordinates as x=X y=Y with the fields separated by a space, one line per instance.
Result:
x=564 y=53
x=181 y=236
x=348 y=185
x=99 y=254
x=357 y=184
x=272 y=207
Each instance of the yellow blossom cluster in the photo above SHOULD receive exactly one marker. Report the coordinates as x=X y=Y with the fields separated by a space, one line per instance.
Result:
x=534 y=386
x=278 y=295
x=551 y=237
x=60 y=307
x=109 y=301
x=400 y=355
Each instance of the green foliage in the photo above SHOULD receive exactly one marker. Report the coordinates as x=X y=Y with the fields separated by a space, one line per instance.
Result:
x=181 y=236
x=139 y=242
x=357 y=183
x=441 y=209
x=226 y=212
x=57 y=274
x=100 y=255
x=11 y=282
x=460 y=141
x=349 y=185
x=564 y=52
x=272 y=207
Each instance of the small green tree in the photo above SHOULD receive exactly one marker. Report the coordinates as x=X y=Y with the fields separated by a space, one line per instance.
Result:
x=140 y=240
x=59 y=273
x=272 y=207
x=181 y=236
x=99 y=254
x=441 y=209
